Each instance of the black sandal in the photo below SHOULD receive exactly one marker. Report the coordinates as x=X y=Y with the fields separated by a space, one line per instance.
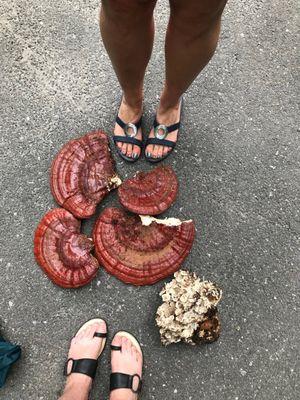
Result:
x=161 y=131
x=86 y=366
x=119 y=380
x=130 y=129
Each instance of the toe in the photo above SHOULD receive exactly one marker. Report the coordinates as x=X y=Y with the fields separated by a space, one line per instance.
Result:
x=99 y=327
x=166 y=150
x=129 y=150
x=139 y=356
x=126 y=348
x=74 y=340
x=88 y=332
x=117 y=341
x=102 y=327
x=134 y=352
x=80 y=334
x=159 y=151
x=155 y=151
x=152 y=150
x=119 y=144
x=124 y=148
x=136 y=151
x=149 y=150
x=139 y=359
x=92 y=330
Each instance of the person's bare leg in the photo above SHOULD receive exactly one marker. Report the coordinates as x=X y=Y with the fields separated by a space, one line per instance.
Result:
x=83 y=345
x=191 y=40
x=127 y=30
x=128 y=361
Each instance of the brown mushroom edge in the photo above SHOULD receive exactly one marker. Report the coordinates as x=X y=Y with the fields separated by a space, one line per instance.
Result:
x=189 y=310
x=62 y=252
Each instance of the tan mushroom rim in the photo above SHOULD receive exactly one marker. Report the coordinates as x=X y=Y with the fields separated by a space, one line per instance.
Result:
x=91 y=322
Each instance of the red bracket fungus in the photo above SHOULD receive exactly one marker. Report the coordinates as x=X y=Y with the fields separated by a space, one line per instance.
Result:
x=141 y=250
x=82 y=173
x=149 y=193
x=62 y=251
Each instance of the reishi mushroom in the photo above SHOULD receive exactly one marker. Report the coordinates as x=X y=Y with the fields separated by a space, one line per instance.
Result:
x=82 y=173
x=62 y=251
x=141 y=250
x=149 y=193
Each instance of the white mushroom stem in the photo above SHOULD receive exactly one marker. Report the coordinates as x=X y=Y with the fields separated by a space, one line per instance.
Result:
x=147 y=220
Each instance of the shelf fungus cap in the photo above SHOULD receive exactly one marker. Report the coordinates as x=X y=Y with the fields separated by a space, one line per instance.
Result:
x=82 y=173
x=149 y=193
x=62 y=251
x=189 y=310
x=137 y=253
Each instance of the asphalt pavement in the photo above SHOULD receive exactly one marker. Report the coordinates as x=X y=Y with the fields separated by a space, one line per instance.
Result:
x=237 y=161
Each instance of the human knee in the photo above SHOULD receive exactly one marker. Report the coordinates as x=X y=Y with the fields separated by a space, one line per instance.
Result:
x=198 y=19
x=124 y=7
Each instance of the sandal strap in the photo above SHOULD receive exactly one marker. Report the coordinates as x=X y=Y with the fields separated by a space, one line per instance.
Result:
x=170 y=128
x=160 y=142
x=86 y=366
x=128 y=139
x=124 y=381
x=122 y=124
x=100 y=335
x=115 y=348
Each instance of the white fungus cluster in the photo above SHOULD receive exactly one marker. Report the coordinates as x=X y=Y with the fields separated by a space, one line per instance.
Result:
x=188 y=312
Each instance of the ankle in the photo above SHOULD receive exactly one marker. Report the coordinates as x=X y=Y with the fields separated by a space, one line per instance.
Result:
x=77 y=385
x=134 y=102
x=167 y=104
x=122 y=394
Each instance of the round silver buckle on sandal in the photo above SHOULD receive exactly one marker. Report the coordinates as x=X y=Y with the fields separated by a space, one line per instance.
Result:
x=158 y=129
x=130 y=129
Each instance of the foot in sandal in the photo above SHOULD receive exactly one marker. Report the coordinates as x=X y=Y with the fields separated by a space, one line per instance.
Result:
x=128 y=132
x=126 y=366
x=164 y=133
x=80 y=368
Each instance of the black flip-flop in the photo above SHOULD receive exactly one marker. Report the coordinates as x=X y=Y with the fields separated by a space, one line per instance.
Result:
x=130 y=129
x=161 y=131
x=86 y=366
x=120 y=380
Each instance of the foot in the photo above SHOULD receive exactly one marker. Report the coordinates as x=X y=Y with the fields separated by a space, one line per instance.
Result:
x=165 y=116
x=127 y=361
x=85 y=345
x=129 y=113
